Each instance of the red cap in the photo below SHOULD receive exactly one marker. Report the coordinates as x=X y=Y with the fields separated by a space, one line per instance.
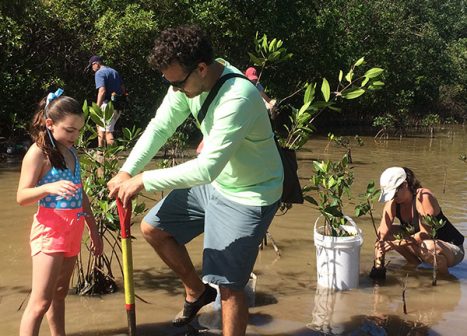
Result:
x=251 y=74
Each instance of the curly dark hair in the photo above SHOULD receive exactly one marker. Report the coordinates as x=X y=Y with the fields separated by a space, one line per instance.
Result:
x=188 y=45
x=412 y=181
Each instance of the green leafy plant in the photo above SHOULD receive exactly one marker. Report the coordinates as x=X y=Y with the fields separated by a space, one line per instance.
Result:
x=366 y=207
x=351 y=86
x=430 y=121
x=385 y=122
x=434 y=224
x=345 y=142
x=15 y=143
x=405 y=234
x=330 y=181
x=268 y=53
x=17 y=125
x=98 y=166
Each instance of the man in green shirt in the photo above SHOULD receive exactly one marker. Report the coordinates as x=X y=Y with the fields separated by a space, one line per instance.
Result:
x=230 y=191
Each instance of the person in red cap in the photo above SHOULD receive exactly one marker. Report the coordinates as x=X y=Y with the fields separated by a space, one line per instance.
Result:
x=406 y=200
x=252 y=75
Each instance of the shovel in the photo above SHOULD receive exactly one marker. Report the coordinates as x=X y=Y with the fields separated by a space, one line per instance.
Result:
x=125 y=216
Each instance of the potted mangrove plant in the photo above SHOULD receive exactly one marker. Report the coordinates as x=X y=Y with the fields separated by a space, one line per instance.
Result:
x=336 y=236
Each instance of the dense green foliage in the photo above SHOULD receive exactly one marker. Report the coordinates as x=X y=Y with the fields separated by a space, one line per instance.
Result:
x=98 y=165
x=329 y=182
x=421 y=45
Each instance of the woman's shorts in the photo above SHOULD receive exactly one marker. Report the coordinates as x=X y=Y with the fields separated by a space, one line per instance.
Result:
x=457 y=251
x=232 y=231
x=57 y=230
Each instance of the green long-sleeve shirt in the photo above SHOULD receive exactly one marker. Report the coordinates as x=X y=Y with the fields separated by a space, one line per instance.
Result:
x=239 y=156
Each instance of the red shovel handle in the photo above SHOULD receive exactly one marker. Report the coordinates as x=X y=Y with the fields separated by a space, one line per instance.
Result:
x=125 y=218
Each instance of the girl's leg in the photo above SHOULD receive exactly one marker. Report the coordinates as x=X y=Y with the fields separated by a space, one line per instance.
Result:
x=56 y=312
x=45 y=273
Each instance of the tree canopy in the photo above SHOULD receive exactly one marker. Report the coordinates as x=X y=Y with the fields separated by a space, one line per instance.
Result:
x=421 y=44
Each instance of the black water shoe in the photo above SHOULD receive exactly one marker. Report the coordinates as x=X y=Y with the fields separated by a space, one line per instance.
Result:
x=378 y=273
x=190 y=309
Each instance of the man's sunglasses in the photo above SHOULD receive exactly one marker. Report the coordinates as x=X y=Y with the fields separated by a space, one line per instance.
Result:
x=178 y=84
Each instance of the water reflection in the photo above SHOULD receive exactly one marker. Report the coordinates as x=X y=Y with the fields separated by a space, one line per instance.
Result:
x=329 y=311
x=365 y=312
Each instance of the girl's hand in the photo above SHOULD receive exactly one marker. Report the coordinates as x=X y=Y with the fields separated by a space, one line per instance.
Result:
x=97 y=246
x=63 y=188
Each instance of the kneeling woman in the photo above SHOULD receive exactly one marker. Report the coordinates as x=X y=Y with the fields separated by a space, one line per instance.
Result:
x=406 y=200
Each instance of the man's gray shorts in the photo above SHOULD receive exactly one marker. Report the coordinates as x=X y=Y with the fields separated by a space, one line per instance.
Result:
x=232 y=231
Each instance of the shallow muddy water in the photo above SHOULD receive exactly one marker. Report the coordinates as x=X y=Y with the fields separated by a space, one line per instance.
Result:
x=287 y=299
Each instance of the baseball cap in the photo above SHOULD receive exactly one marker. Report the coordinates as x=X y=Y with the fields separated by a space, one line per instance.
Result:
x=390 y=179
x=93 y=60
x=251 y=74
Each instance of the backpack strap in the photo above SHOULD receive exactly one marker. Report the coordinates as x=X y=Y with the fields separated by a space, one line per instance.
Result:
x=212 y=94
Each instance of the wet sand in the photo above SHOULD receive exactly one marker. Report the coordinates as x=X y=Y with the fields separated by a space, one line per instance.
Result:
x=287 y=300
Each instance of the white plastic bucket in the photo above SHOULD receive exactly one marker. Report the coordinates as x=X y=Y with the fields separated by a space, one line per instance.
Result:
x=338 y=258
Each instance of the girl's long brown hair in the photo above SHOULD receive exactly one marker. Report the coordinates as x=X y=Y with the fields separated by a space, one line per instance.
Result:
x=57 y=109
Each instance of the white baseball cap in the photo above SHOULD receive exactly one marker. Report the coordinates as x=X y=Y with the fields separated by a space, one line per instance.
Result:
x=390 y=179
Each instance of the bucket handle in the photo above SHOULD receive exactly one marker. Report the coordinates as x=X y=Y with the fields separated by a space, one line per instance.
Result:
x=316 y=222
x=352 y=222
x=349 y=220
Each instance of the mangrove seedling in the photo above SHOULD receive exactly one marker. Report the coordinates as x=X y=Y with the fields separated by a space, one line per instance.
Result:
x=330 y=181
x=99 y=165
x=434 y=224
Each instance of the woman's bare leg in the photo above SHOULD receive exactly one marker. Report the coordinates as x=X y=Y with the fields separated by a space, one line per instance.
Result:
x=444 y=255
x=409 y=253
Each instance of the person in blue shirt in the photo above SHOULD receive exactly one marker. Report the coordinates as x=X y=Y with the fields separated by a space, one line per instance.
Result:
x=108 y=83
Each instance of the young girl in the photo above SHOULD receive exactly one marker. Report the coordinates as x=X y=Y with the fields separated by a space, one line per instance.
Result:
x=50 y=174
